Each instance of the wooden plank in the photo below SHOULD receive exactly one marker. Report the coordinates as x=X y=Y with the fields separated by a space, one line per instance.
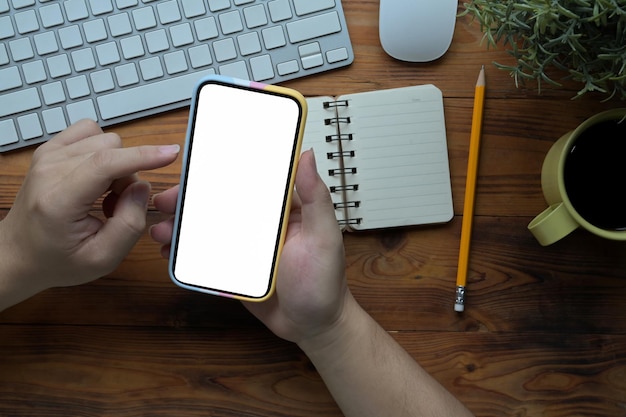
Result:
x=404 y=278
x=100 y=371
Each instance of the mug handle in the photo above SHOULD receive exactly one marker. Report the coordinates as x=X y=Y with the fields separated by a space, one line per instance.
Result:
x=552 y=224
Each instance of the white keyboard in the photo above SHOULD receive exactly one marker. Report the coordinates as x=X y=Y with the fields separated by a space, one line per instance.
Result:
x=118 y=60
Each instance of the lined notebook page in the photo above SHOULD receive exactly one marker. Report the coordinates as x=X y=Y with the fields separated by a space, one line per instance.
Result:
x=400 y=156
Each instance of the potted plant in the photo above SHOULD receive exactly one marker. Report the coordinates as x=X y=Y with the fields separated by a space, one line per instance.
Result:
x=585 y=40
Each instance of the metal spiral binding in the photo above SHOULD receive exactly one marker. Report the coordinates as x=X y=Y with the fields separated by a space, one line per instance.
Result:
x=343 y=136
x=339 y=171
x=338 y=188
x=333 y=155
x=348 y=204
x=341 y=155
x=336 y=103
x=348 y=222
x=336 y=120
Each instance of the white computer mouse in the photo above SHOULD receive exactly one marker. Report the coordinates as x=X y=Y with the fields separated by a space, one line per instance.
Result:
x=416 y=30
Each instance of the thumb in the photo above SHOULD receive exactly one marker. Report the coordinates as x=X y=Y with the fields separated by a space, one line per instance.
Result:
x=122 y=230
x=318 y=212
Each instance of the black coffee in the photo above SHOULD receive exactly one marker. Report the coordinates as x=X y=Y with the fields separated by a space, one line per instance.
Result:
x=595 y=175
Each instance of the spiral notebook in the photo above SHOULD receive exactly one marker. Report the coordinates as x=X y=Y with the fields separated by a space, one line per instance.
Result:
x=383 y=155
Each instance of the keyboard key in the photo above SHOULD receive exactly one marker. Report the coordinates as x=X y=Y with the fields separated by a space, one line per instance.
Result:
x=289 y=67
x=313 y=27
x=95 y=30
x=77 y=87
x=83 y=59
x=6 y=27
x=217 y=5
x=26 y=21
x=151 y=68
x=126 y=75
x=30 y=127
x=181 y=34
x=236 y=70
x=51 y=15
x=168 y=12
x=311 y=55
x=144 y=18
x=249 y=43
x=224 y=50
x=175 y=62
x=54 y=120
x=34 y=72
x=102 y=81
x=19 y=4
x=274 y=37
x=8 y=133
x=4 y=55
x=107 y=53
x=81 y=110
x=131 y=100
x=206 y=28
x=21 y=49
x=123 y=4
x=255 y=16
x=53 y=93
x=230 y=22
x=46 y=43
x=262 y=68
x=156 y=41
x=132 y=47
x=200 y=56
x=10 y=78
x=279 y=10
x=193 y=8
x=70 y=37
x=58 y=66
x=4 y=6
x=19 y=101
x=75 y=10
x=337 y=55
x=307 y=6
x=119 y=24
x=99 y=7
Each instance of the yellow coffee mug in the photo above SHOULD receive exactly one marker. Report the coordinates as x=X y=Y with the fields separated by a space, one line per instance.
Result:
x=562 y=217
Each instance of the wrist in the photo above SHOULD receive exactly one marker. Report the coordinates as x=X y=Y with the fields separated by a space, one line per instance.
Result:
x=341 y=338
x=15 y=283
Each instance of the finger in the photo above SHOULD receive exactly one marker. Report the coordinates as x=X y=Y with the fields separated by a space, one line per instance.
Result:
x=122 y=230
x=165 y=251
x=166 y=201
x=162 y=232
x=94 y=176
x=78 y=131
x=318 y=213
x=94 y=143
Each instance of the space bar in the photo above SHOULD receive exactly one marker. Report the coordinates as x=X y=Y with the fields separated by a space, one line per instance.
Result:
x=157 y=94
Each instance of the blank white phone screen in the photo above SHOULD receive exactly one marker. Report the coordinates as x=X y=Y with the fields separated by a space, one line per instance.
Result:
x=241 y=156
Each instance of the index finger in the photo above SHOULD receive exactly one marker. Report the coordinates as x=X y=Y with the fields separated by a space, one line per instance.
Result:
x=76 y=132
x=94 y=175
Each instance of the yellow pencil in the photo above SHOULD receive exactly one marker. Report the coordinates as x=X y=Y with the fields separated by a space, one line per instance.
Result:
x=470 y=189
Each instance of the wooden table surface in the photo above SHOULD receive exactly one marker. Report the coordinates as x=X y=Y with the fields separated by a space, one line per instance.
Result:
x=543 y=334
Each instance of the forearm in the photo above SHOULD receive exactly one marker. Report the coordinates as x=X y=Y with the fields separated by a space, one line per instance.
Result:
x=369 y=374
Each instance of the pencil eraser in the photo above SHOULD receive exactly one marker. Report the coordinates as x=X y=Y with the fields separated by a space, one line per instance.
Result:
x=459 y=308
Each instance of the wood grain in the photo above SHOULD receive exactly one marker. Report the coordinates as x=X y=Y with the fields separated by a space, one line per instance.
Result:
x=543 y=334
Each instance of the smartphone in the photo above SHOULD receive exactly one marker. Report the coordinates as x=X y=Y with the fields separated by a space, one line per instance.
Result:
x=240 y=158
